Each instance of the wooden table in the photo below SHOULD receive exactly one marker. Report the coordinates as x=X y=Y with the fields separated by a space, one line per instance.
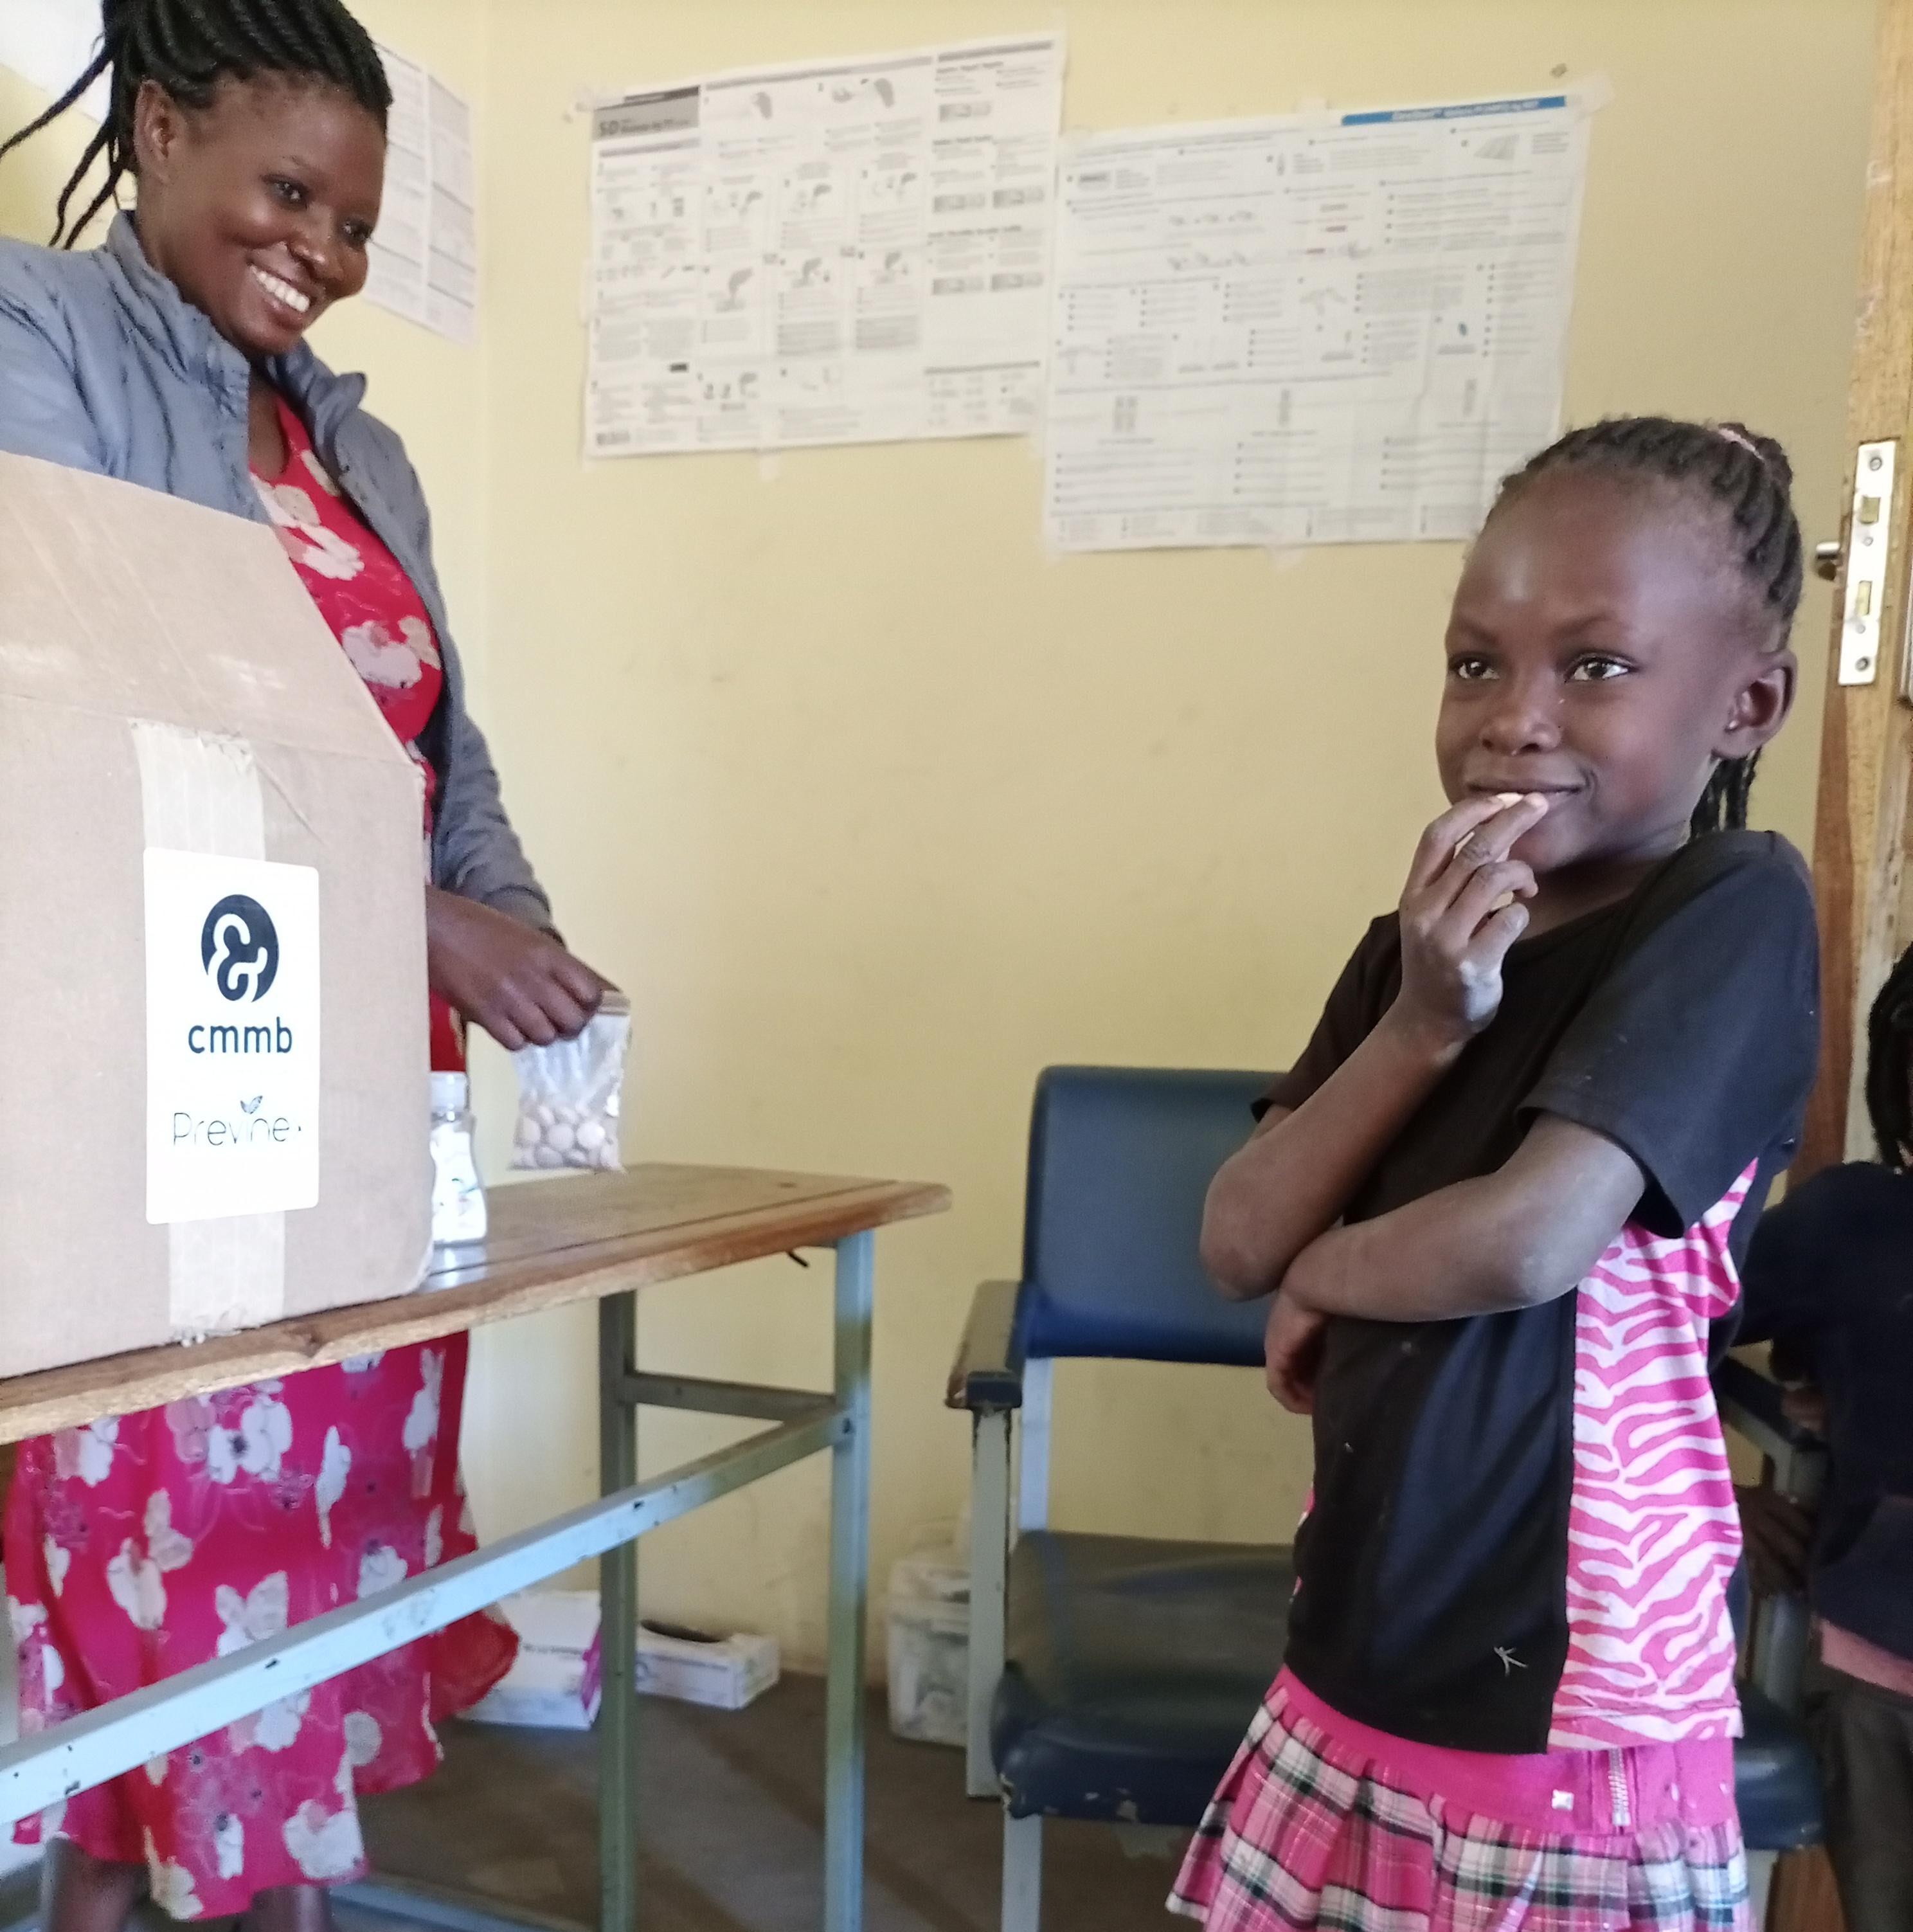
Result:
x=550 y=1244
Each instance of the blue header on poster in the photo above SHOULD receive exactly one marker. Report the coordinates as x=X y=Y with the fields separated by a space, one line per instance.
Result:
x=1466 y=110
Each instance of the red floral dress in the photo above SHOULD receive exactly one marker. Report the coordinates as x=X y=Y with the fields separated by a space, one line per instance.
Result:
x=145 y=1544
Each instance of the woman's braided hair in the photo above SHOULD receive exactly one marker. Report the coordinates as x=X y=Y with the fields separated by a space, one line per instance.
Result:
x=1744 y=477
x=188 y=47
x=1890 y=1065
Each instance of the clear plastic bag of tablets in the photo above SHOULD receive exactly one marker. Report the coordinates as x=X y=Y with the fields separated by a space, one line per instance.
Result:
x=570 y=1094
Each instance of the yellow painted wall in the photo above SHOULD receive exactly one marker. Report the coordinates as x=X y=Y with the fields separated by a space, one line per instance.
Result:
x=876 y=810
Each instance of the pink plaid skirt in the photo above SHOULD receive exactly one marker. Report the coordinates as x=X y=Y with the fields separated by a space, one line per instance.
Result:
x=1308 y=1830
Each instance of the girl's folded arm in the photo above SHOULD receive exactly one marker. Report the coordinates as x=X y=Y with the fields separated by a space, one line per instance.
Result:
x=1292 y=1179
x=1523 y=1235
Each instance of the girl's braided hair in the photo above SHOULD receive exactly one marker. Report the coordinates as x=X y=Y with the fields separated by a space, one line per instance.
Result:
x=1747 y=480
x=188 y=47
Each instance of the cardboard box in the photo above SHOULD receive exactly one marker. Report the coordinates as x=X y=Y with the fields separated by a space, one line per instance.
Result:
x=555 y=1682
x=213 y=1014
x=725 y=1672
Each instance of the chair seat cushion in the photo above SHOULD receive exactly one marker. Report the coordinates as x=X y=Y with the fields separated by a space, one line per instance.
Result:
x=1776 y=1781
x=1132 y=1669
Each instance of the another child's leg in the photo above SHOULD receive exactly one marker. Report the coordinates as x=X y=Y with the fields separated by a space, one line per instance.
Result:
x=79 y=1893
x=1863 y=1737
x=290 y=1908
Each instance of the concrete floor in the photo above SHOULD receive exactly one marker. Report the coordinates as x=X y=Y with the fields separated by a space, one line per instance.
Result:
x=732 y=1812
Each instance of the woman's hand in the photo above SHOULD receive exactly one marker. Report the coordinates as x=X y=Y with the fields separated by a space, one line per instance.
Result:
x=1461 y=910
x=517 y=982
x=1292 y=1354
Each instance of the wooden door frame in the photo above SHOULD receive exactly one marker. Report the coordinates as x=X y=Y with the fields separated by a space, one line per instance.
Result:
x=1861 y=875
x=1860 y=870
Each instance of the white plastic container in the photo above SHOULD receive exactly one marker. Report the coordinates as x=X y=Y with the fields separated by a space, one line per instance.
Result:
x=929 y=1647
x=458 y=1201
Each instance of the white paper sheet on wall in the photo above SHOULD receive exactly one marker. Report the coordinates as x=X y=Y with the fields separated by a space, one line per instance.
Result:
x=451 y=293
x=853 y=251
x=424 y=257
x=1326 y=329
x=51 y=43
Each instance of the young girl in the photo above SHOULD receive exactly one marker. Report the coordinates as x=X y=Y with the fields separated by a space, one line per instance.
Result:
x=1500 y=1202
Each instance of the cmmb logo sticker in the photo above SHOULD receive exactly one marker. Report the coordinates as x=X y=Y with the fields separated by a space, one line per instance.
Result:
x=239 y=947
x=233 y=1037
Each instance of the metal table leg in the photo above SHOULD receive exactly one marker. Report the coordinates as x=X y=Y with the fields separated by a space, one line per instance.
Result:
x=617 y=1718
x=849 y=1563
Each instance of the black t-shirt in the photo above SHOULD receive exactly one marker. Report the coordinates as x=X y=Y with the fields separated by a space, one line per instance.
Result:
x=1435 y=1566
x=1830 y=1283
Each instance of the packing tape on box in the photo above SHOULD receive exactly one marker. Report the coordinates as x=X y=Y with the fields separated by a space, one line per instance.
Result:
x=201 y=793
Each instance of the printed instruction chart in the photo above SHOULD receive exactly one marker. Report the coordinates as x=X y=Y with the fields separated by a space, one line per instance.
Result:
x=856 y=251
x=1329 y=329
x=424 y=258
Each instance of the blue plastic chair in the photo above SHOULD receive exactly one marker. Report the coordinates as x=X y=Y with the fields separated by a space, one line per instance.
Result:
x=1111 y=1678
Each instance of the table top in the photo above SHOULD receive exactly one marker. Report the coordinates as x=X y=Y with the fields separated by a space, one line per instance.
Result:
x=550 y=1243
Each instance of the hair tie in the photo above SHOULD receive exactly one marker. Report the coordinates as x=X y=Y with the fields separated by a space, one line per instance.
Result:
x=1747 y=443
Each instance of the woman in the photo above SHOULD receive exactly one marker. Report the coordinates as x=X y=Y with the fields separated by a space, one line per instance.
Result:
x=174 y=357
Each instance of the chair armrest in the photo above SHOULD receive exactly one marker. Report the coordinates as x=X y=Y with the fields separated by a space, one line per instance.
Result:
x=987 y=1376
x=1749 y=1402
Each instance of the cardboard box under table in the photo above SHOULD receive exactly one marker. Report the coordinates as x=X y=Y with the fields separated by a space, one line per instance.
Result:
x=212 y=971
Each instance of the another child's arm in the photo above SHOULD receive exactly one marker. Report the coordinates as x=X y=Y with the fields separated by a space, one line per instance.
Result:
x=1296 y=1176
x=1788 y=1292
x=1793 y=1286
